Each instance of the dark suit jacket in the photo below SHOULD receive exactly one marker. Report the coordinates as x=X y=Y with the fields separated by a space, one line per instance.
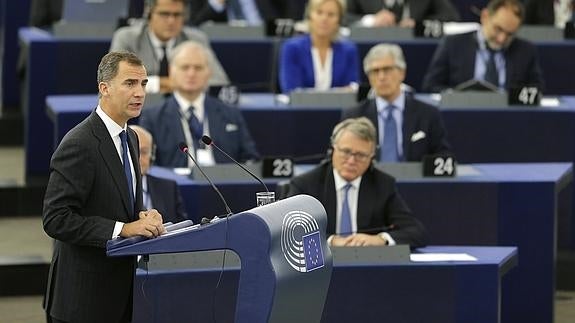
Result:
x=296 y=64
x=539 y=12
x=44 y=13
x=417 y=116
x=227 y=129
x=419 y=10
x=86 y=194
x=454 y=63
x=379 y=204
x=201 y=11
x=166 y=198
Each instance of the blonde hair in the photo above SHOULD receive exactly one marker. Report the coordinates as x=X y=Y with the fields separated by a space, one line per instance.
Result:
x=312 y=4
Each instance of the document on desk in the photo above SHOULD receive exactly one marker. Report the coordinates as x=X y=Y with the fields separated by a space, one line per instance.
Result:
x=429 y=257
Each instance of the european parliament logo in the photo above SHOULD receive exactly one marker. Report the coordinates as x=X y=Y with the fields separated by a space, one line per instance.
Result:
x=301 y=242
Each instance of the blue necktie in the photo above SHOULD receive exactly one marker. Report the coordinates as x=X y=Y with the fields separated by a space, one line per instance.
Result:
x=389 y=152
x=196 y=127
x=345 y=221
x=127 y=170
x=235 y=10
x=491 y=74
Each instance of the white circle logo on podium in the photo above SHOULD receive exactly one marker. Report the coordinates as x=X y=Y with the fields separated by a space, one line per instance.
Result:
x=301 y=241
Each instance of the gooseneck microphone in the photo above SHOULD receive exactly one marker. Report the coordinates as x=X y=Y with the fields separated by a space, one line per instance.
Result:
x=209 y=142
x=184 y=148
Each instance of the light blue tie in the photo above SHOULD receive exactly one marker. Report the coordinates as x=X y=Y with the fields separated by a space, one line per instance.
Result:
x=235 y=10
x=345 y=221
x=127 y=170
x=388 y=151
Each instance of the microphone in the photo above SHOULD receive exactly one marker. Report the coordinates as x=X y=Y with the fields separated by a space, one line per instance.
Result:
x=209 y=142
x=185 y=150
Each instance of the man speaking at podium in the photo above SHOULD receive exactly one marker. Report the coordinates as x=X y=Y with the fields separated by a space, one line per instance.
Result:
x=362 y=203
x=94 y=194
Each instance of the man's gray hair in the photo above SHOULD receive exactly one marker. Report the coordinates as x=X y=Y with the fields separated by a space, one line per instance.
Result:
x=361 y=127
x=196 y=45
x=110 y=64
x=380 y=51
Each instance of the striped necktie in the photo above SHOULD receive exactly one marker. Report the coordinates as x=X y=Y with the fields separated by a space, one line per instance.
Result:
x=127 y=170
x=389 y=151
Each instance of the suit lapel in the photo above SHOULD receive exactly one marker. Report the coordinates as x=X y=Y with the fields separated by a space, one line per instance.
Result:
x=366 y=201
x=329 y=196
x=147 y=53
x=110 y=157
x=135 y=155
x=152 y=193
x=468 y=67
x=409 y=125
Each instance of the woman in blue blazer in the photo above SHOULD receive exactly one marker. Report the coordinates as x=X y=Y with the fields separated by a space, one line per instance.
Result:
x=319 y=60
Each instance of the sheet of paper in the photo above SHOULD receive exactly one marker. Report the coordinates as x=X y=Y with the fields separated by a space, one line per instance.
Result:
x=428 y=257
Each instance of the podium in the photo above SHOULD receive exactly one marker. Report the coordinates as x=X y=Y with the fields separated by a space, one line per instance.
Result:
x=286 y=264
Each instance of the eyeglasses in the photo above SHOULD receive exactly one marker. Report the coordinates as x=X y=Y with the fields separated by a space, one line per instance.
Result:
x=384 y=69
x=348 y=153
x=168 y=14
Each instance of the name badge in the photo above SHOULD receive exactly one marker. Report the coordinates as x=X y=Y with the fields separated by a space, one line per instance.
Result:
x=428 y=29
x=439 y=165
x=527 y=95
x=278 y=167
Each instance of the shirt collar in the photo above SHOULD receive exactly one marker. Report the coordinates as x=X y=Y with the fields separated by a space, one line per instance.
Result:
x=185 y=104
x=399 y=102
x=157 y=43
x=113 y=128
x=481 y=40
x=340 y=182
x=144 y=183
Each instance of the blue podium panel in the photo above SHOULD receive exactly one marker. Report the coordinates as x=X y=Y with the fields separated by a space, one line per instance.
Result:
x=410 y=292
x=286 y=262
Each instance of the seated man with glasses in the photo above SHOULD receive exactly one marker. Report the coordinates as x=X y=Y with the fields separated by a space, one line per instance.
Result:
x=492 y=53
x=407 y=129
x=362 y=203
x=154 y=40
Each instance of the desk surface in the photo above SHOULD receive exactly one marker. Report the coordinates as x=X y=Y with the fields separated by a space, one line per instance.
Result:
x=510 y=137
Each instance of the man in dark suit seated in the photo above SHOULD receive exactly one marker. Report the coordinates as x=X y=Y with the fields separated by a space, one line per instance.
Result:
x=154 y=40
x=492 y=54
x=405 y=13
x=158 y=193
x=190 y=113
x=408 y=129
x=362 y=203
